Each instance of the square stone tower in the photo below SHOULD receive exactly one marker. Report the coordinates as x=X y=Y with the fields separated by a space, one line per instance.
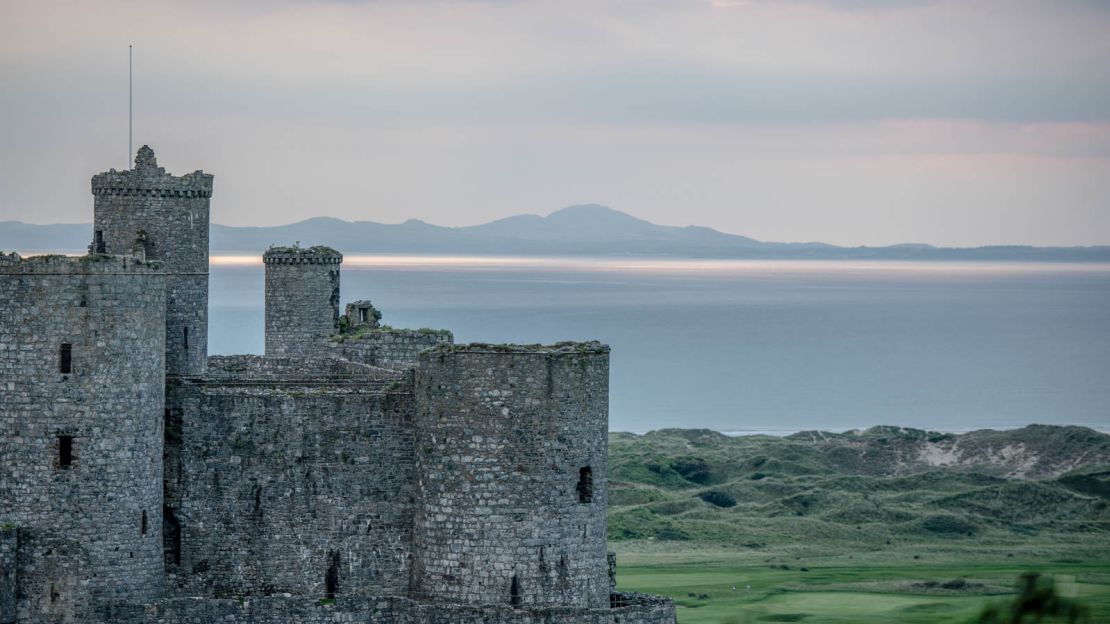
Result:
x=151 y=214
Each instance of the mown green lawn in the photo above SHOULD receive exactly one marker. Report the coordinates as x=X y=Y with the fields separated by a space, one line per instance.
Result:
x=702 y=585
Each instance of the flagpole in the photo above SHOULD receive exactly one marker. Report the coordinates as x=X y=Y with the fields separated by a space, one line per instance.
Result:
x=129 y=107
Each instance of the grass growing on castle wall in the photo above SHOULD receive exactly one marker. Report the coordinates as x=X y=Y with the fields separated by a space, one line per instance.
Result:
x=825 y=533
x=363 y=332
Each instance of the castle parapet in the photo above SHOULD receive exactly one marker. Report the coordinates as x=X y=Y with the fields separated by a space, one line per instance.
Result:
x=298 y=255
x=147 y=179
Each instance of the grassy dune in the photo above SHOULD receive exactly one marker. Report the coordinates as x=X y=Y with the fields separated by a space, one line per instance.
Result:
x=859 y=528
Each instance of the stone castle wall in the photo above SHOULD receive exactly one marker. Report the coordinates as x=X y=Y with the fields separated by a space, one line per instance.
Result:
x=147 y=212
x=511 y=465
x=398 y=349
x=626 y=608
x=81 y=430
x=296 y=477
x=302 y=299
x=9 y=563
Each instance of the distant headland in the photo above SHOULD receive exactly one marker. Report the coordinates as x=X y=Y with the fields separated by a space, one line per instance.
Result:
x=588 y=229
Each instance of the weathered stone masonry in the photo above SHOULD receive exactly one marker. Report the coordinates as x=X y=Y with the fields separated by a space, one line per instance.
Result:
x=82 y=344
x=302 y=299
x=300 y=471
x=355 y=473
x=511 y=447
x=151 y=214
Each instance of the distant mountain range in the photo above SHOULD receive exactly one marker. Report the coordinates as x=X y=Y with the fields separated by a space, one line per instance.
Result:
x=588 y=229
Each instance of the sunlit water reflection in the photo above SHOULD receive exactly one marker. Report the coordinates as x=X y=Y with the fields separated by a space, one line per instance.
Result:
x=773 y=346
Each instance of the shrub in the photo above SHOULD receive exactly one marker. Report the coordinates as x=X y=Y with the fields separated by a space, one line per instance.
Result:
x=718 y=498
x=673 y=534
x=693 y=469
x=947 y=525
x=1036 y=599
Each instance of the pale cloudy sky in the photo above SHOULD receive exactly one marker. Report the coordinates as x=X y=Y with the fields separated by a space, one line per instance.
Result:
x=956 y=122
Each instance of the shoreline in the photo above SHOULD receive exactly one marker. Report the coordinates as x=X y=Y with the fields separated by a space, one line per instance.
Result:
x=782 y=432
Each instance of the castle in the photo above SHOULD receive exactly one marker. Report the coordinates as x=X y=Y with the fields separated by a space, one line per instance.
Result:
x=354 y=473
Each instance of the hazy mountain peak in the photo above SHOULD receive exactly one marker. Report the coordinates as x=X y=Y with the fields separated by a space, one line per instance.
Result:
x=590 y=211
x=591 y=229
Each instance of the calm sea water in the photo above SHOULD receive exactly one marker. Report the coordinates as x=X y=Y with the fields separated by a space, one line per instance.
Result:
x=765 y=346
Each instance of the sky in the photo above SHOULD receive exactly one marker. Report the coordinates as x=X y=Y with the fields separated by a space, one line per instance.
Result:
x=854 y=122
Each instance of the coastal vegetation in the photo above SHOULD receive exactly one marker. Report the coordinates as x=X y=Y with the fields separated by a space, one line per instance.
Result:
x=887 y=525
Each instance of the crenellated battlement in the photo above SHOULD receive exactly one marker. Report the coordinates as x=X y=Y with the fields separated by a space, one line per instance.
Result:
x=295 y=254
x=147 y=179
x=147 y=191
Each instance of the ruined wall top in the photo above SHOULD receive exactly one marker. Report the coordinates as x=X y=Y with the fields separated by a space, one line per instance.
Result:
x=317 y=254
x=148 y=178
x=54 y=264
x=259 y=368
x=559 y=348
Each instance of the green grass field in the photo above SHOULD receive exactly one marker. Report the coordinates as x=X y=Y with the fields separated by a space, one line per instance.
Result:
x=838 y=590
x=855 y=528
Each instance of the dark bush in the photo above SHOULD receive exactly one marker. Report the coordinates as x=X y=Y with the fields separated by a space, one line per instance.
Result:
x=673 y=534
x=720 y=499
x=948 y=525
x=693 y=469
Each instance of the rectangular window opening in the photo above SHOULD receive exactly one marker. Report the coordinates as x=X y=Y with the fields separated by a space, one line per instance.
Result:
x=65 y=358
x=363 y=315
x=98 y=241
x=585 y=485
x=65 y=451
x=186 y=338
x=331 y=576
x=142 y=523
x=514 y=591
x=171 y=536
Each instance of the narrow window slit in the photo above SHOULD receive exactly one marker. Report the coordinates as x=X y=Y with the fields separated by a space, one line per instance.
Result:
x=65 y=451
x=331 y=577
x=585 y=485
x=186 y=337
x=142 y=523
x=514 y=591
x=65 y=358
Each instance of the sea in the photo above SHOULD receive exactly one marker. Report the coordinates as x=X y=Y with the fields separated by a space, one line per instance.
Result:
x=760 y=346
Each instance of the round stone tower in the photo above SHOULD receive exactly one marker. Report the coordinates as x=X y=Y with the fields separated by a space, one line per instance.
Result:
x=157 y=216
x=511 y=463
x=302 y=298
x=81 y=431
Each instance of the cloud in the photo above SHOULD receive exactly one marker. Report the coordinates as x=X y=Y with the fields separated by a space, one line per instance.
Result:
x=799 y=111
x=835 y=5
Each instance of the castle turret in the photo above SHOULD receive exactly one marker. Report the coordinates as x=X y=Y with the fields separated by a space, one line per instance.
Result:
x=302 y=299
x=149 y=213
x=511 y=462
x=81 y=433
